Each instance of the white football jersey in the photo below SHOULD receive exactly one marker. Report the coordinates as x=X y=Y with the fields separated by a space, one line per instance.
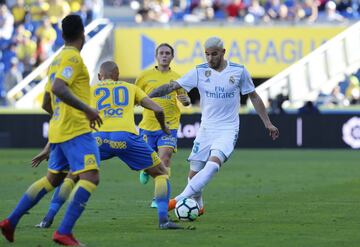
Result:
x=219 y=93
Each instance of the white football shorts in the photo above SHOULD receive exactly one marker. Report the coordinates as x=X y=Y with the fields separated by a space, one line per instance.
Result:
x=207 y=140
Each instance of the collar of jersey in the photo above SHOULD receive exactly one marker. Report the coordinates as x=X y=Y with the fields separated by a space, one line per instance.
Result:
x=70 y=47
x=156 y=69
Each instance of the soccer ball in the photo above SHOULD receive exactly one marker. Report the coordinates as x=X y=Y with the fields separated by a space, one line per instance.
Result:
x=187 y=209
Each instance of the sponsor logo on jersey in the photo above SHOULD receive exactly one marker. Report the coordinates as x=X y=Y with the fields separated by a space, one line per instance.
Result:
x=74 y=59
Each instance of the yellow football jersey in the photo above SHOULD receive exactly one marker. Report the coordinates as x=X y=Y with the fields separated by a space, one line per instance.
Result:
x=68 y=122
x=148 y=81
x=115 y=100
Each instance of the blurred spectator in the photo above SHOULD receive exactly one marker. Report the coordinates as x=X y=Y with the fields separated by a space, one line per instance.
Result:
x=19 y=12
x=59 y=9
x=272 y=10
x=353 y=90
x=25 y=50
x=331 y=14
x=337 y=97
x=308 y=11
x=94 y=9
x=276 y=105
x=46 y=36
x=309 y=109
x=6 y=23
x=255 y=12
x=235 y=9
x=13 y=76
x=38 y=10
x=200 y=11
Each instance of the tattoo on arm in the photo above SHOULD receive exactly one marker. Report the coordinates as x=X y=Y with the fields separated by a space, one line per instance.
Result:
x=164 y=89
x=160 y=117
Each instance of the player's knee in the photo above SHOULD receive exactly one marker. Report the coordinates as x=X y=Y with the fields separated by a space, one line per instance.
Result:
x=157 y=170
x=196 y=166
x=55 y=179
x=74 y=178
x=165 y=156
x=217 y=156
x=165 y=160
x=92 y=176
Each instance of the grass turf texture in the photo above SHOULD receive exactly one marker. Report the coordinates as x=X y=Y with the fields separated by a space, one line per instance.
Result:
x=268 y=198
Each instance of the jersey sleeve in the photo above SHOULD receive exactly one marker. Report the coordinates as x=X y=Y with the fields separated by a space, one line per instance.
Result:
x=48 y=87
x=246 y=83
x=139 y=95
x=69 y=68
x=189 y=80
x=139 y=82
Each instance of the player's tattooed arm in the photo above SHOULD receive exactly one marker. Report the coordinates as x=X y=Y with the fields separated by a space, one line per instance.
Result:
x=62 y=91
x=46 y=105
x=261 y=111
x=164 y=89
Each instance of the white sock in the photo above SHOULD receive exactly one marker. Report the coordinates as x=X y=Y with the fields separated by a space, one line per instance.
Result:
x=198 y=182
x=198 y=197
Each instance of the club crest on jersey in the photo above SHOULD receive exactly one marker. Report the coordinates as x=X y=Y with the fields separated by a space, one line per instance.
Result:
x=67 y=72
x=208 y=73
x=231 y=80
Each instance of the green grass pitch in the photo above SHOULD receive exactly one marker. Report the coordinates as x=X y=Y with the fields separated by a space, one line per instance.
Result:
x=260 y=198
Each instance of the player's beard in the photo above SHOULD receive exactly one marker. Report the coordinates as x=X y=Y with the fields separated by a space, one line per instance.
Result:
x=215 y=64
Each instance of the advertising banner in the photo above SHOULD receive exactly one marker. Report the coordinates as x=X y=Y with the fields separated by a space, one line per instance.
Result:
x=265 y=51
x=318 y=131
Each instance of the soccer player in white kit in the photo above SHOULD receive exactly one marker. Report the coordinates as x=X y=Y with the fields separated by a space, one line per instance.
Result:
x=220 y=83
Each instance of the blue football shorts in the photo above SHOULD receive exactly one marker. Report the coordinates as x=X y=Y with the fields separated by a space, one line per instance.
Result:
x=129 y=147
x=158 y=139
x=76 y=155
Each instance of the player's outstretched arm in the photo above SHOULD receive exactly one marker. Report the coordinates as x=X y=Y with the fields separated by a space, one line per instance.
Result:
x=164 y=89
x=61 y=90
x=261 y=111
x=158 y=111
x=43 y=155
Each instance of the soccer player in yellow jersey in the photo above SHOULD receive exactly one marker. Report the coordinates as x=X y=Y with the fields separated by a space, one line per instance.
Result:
x=72 y=145
x=161 y=142
x=118 y=137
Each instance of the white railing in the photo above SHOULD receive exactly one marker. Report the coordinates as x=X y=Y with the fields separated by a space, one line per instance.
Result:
x=317 y=72
x=24 y=95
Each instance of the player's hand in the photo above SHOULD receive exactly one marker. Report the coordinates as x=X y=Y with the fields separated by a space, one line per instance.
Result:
x=94 y=117
x=166 y=130
x=273 y=131
x=184 y=99
x=43 y=155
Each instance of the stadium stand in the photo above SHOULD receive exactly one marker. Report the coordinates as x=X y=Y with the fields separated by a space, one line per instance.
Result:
x=30 y=33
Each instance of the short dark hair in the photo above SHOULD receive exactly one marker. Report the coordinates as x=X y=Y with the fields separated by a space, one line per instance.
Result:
x=72 y=27
x=164 y=44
